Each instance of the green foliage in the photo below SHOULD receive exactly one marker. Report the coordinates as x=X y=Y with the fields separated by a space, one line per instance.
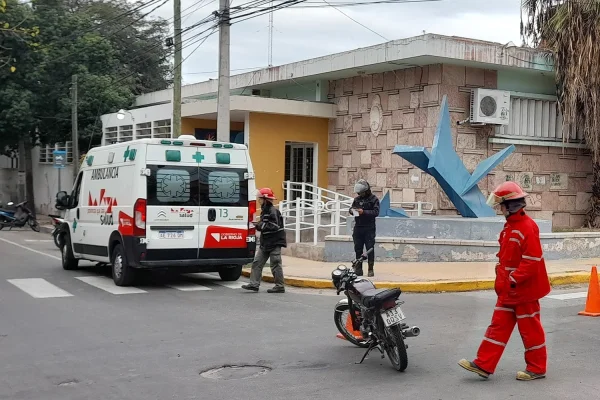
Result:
x=116 y=52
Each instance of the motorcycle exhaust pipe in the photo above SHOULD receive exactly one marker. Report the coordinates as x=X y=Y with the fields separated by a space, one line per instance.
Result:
x=412 y=332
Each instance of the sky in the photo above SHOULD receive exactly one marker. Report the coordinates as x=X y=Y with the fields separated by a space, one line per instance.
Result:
x=304 y=33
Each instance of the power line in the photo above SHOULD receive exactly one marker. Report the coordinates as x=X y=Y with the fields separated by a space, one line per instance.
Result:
x=349 y=17
x=237 y=69
x=316 y=4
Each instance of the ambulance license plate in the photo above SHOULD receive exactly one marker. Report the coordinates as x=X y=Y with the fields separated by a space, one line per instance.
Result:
x=393 y=316
x=170 y=234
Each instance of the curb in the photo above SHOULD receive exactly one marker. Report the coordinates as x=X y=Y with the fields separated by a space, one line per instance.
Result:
x=427 y=287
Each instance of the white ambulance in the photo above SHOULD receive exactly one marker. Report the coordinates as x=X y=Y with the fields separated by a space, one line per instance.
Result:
x=162 y=203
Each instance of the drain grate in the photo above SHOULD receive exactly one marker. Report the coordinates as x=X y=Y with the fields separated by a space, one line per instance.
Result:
x=231 y=372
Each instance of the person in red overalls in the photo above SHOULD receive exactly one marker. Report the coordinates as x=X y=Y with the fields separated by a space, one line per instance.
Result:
x=521 y=281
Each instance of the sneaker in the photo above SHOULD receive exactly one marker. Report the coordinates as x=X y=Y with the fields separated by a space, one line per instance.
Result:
x=529 y=376
x=250 y=288
x=470 y=366
x=276 y=289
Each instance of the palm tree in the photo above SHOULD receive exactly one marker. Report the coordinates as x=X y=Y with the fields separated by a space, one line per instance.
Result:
x=570 y=31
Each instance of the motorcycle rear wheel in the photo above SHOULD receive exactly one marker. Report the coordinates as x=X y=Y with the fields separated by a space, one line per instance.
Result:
x=397 y=352
x=339 y=317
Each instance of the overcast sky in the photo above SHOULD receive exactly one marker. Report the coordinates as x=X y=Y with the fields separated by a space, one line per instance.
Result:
x=305 y=33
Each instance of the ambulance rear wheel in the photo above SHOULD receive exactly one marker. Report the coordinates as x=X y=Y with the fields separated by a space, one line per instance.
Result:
x=231 y=274
x=123 y=274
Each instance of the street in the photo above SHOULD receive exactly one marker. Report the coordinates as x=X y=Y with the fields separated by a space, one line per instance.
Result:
x=74 y=335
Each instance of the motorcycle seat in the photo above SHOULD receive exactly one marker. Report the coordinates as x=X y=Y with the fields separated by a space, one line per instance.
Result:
x=375 y=297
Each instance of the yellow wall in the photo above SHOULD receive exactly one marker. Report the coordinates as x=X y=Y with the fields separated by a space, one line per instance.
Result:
x=268 y=134
x=188 y=125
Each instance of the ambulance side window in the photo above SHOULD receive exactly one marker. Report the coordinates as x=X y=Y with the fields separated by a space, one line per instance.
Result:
x=76 y=191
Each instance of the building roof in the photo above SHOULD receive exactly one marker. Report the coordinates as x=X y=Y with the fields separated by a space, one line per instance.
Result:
x=397 y=54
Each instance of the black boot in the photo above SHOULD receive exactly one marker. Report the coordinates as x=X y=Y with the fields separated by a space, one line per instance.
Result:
x=371 y=272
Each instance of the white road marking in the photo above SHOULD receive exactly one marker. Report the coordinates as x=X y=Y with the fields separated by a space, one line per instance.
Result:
x=108 y=285
x=39 y=288
x=568 y=296
x=39 y=240
x=188 y=287
x=30 y=249
x=230 y=285
x=217 y=281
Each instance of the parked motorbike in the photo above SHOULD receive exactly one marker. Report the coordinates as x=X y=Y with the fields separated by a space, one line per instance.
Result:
x=375 y=313
x=57 y=221
x=6 y=215
x=21 y=217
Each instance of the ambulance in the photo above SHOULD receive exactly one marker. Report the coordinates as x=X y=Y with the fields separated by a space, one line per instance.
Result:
x=182 y=204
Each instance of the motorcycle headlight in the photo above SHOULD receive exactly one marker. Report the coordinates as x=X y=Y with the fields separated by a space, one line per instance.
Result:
x=336 y=276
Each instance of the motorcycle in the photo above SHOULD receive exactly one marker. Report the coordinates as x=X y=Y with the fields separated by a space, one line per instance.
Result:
x=375 y=319
x=57 y=221
x=21 y=217
x=6 y=215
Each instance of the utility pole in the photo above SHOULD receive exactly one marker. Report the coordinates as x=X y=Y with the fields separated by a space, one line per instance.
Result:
x=177 y=78
x=223 y=112
x=74 y=132
x=271 y=36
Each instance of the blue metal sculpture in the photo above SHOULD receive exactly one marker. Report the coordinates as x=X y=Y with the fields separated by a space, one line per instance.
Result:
x=449 y=171
x=386 y=210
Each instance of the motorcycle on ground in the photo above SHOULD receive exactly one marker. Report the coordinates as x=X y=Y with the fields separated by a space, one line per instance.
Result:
x=57 y=221
x=371 y=318
x=22 y=216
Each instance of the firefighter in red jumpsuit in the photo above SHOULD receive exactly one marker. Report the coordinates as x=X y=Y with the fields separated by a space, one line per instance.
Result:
x=521 y=281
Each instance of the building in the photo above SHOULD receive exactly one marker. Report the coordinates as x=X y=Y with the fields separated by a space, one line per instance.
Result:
x=314 y=121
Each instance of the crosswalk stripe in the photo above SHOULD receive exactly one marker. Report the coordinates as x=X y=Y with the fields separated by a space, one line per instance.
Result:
x=568 y=296
x=230 y=285
x=212 y=279
x=108 y=285
x=39 y=288
x=188 y=287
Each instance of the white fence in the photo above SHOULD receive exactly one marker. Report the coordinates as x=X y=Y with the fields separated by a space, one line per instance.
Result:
x=308 y=207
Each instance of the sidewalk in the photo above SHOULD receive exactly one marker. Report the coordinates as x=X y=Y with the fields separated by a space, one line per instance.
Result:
x=425 y=277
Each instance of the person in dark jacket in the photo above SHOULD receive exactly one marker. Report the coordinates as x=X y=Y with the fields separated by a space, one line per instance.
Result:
x=272 y=239
x=365 y=209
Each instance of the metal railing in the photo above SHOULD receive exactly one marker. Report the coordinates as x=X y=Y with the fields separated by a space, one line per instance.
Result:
x=308 y=207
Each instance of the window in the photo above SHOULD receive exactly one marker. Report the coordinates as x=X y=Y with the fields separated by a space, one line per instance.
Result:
x=76 y=191
x=223 y=187
x=143 y=130
x=191 y=186
x=162 y=128
x=172 y=186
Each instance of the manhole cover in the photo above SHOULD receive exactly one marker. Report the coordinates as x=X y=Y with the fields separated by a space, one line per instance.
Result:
x=229 y=372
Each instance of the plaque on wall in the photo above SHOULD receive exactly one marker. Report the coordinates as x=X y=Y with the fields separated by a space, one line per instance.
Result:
x=376 y=115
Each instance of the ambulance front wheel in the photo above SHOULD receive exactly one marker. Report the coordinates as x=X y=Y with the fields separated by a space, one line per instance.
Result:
x=231 y=273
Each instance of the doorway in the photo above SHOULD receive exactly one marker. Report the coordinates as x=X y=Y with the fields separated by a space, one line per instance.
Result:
x=300 y=166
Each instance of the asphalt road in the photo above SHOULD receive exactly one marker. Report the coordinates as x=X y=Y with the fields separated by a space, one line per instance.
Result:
x=154 y=342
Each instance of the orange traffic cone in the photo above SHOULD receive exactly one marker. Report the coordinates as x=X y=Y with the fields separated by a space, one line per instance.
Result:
x=350 y=329
x=592 y=305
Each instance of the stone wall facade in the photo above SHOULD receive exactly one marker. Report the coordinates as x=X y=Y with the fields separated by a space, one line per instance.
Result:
x=404 y=105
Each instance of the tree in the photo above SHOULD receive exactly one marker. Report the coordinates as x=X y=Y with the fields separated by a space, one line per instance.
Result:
x=16 y=32
x=114 y=48
x=570 y=31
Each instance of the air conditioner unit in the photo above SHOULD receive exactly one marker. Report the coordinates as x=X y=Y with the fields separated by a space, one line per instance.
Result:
x=489 y=106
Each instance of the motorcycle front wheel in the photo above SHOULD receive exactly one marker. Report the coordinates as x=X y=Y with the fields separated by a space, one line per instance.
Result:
x=33 y=224
x=341 y=317
x=396 y=349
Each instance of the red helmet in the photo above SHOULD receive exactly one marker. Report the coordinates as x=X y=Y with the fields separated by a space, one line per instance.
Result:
x=506 y=191
x=266 y=193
